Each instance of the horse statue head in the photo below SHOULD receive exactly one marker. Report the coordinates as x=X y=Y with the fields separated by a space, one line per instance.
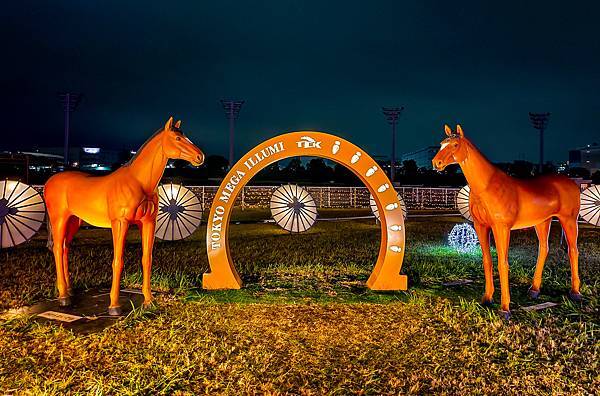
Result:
x=176 y=146
x=453 y=149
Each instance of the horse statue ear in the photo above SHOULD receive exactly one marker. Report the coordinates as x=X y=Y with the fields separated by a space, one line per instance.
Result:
x=178 y=124
x=460 y=131
x=447 y=130
x=169 y=124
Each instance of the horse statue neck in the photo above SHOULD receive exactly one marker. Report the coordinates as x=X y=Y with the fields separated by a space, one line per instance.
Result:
x=477 y=169
x=149 y=164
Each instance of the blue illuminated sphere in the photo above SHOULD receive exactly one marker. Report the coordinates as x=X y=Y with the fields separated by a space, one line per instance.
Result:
x=463 y=238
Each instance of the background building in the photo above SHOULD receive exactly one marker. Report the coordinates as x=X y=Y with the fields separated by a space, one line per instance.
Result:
x=91 y=158
x=585 y=157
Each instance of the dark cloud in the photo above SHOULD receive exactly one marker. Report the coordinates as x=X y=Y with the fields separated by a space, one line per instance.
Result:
x=304 y=65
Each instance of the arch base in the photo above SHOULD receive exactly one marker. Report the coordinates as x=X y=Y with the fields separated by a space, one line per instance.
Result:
x=389 y=283
x=221 y=281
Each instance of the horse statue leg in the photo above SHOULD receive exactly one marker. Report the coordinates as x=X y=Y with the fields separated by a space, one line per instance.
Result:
x=119 y=232
x=483 y=233
x=502 y=238
x=73 y=225
x=59 y=226
x=569 y=225
x=542 y=230
x=147 y=228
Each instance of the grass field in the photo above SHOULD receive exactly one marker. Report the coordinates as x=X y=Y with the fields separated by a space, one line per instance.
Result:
x=305 y=323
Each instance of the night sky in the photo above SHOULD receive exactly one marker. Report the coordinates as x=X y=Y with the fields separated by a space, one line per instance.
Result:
x=320 y=65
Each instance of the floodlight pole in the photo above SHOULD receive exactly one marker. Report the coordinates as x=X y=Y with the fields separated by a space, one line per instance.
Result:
x=391 y=115
x=69 y=101
x=540 y=122
x=232 y=111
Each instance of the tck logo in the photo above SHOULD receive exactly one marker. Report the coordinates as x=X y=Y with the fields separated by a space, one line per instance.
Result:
x=308 y=142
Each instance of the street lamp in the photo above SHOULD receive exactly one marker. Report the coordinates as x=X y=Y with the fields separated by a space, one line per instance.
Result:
x=391 y=115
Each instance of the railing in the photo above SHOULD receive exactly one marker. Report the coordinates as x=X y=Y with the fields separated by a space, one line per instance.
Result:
x=338 y=197
x=334 y=197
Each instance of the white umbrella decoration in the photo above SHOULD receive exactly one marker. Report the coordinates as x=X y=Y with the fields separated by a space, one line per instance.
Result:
x=590 y=205
x=180 y=212
x=462 y=202
x=375 y=211
x=22 y=212
x=293 y=209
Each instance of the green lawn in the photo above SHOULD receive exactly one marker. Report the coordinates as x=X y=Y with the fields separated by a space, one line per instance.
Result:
x=305 y=323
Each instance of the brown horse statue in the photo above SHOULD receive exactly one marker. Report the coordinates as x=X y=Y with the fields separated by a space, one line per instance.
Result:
x=501 y=203
x=126 y=196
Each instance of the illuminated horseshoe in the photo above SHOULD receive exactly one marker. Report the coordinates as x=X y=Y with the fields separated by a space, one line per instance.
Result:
x=386 y=273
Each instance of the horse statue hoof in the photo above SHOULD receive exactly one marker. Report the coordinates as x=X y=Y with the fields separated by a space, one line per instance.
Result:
x=114 y=311
x=149 y=304
x=64 y=301
x=533 y=294
x=487 y=303
x=575 y=297
x=505 y=314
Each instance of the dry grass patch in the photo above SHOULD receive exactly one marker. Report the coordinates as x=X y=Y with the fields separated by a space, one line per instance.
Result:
x=421 y=346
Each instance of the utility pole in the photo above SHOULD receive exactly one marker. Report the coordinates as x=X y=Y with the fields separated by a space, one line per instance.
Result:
x=232 y=111
x=70 y=101
x=391 y=115
x=540 y=122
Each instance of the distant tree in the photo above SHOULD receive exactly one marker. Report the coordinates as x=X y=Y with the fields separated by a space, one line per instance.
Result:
x=294 y=170
x=521 y=169
x=579 y=172
x=596 y=177
x=319 y=171
x=216 y=166
x=180 y=164
x=409 y=168
x=271 y=173
x=451 y=169
x=343 y=175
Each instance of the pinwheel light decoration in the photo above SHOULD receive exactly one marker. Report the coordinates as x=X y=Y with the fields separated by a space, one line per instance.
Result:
x=462 y=202
x=180 y=212
x=22 y=212
x=293 y=209
x=590 y=205
x=375 y=211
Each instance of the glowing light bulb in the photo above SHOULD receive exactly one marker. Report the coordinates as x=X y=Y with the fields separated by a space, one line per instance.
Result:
x=383 y=187
x=370 y=171
x=395 y=248
x=355 y=157
x=395 y=227
x=392 y=206
x=336 y=147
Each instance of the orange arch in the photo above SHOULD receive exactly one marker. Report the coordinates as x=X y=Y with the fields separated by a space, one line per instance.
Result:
x=386 y=273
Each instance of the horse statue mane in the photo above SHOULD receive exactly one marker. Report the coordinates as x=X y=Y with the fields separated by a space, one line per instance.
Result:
x=500 y=203
x=124 y=197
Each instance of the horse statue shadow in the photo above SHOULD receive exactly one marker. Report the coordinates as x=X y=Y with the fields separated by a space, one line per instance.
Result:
x=117 y=200
x=501 y=203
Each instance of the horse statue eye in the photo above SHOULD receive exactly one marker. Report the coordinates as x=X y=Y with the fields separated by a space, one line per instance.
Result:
x=178 y=138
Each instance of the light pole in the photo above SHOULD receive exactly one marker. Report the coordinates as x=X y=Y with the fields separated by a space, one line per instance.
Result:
x=70 y=101
x=232 y=110
x=391 y=115
x=540 y=122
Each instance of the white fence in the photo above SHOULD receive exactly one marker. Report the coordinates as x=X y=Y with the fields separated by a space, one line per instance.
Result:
x=334 y=197
x=339 y=197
